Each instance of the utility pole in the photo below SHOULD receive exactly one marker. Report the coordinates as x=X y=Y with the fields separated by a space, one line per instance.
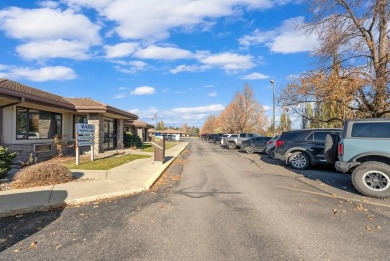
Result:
x=273 y=105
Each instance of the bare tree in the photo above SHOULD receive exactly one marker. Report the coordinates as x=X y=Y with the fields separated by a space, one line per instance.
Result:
x=354 y=58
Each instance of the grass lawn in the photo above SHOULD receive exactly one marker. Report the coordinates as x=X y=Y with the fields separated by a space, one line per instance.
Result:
x=147 y=147
x=106 y=163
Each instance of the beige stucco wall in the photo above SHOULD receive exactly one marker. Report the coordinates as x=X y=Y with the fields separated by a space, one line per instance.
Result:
x=9 y=125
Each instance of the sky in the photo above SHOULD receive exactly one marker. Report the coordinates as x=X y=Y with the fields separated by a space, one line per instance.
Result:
x=180 y=59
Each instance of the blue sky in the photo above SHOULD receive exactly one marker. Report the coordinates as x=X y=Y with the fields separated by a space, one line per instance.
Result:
x=181 y=59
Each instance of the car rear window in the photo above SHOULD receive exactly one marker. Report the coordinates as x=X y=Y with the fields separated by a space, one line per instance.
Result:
x=290 y=135
x=371 y=130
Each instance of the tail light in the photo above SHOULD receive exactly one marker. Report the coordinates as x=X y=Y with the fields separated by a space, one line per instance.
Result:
x=340 y=149
x=279 y=143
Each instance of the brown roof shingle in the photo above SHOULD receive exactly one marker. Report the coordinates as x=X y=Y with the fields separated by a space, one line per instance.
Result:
x=18 y=90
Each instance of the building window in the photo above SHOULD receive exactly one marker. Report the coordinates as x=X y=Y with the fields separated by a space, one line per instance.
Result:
x=37 y=124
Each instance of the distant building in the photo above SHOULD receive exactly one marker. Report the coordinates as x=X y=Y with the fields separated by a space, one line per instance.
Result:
x=152 y=132
x=139 y=128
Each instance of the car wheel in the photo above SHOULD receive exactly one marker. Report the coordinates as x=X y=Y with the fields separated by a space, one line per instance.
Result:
x=273 y=154
x=299 y=160
x=249 y=149
x=232 y=146
x=372 y=179
x=330 y=150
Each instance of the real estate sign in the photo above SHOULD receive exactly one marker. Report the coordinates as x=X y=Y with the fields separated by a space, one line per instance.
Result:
x=85 y=129
x=85 y=136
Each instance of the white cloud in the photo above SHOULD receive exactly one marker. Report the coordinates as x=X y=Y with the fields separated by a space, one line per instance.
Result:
x=39 y=75
x=119 y=96
x=53 y=49
x=230 y=62
x=189 y=68
x=267 y=108
x=48 y=24
x=50 y=33
x=150 y=19
x=255 y=76
x=285 y=39
x=201 y=109
x=257 y=37
x=162 y=53
x=143 y=90
x=212 y=94
x=130 y=67
x=194 y=116
x=146 y=113
x=49 y=4
x=120 y=50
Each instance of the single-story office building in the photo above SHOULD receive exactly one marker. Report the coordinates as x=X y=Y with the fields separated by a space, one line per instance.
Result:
x=30 y=119
x=139 y=128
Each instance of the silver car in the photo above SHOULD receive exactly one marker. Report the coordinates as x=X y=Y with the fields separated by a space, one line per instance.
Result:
x=271 y=145
x=223 y=136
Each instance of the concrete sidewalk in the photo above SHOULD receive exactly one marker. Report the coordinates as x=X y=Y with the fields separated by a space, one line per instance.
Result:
x=127 y=179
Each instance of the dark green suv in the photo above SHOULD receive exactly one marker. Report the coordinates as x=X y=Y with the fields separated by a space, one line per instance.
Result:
x=364 y=150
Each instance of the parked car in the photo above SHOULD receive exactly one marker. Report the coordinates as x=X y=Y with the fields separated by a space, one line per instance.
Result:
x=364 y=150
x=211 y=137
x=218 y=138
x=257 y=144
x=223 y=136
x=303 y=148
x=234 y=141
x=271 y=145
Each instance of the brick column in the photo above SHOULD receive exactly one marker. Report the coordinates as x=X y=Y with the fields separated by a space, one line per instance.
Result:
x=119 y=134
x=97 y=120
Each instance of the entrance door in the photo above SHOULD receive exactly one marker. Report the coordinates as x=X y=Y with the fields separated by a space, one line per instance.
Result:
x=110 y=131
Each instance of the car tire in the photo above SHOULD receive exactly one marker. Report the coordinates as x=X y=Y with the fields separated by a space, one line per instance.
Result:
x=249 y=149
x=272 y=154
x=299 y=160
x=232 y=146
x=330 y=150
x=372 y=179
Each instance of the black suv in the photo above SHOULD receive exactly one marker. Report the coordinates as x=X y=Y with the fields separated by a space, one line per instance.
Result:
x=302 y=148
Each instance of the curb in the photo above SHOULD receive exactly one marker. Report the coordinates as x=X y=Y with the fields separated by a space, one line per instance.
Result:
x=156 y=175
x=19 y=211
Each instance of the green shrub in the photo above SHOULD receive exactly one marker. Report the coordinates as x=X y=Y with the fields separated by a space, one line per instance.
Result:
x=42 y=174
x=6 y=158
x=130 y=140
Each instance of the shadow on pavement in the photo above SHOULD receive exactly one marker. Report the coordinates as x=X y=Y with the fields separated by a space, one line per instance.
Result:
x=16 y=228
x=323 y=173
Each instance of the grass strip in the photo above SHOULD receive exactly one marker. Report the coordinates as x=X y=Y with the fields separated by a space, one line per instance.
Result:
x=106 y=163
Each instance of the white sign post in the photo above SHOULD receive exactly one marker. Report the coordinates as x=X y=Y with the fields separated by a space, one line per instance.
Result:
x=85 y=136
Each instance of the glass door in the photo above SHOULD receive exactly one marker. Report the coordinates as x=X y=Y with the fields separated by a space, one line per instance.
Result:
x=110 y=130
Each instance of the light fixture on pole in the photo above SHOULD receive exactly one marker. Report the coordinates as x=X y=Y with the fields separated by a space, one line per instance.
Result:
x=273 y=105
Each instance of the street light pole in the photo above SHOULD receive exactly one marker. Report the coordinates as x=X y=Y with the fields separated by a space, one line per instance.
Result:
x=273 y=105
